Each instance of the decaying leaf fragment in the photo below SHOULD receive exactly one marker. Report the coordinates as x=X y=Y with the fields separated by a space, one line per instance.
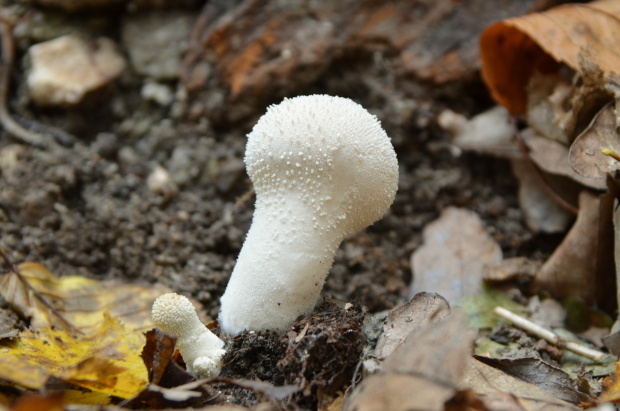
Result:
x=611 y=387
x=586 y=154
x=540 y=373
x=571 y=269
x=513 y=269
x=553 y=157
x=493 y=386
x=423 y=371
x=455 y=253
x=401 y=321
x=479 y=307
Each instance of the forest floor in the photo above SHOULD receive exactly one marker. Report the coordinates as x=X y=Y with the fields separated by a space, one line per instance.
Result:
x=85 y=205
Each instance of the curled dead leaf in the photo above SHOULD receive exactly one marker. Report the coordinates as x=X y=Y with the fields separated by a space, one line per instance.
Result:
x=587 y=154
x=571 y=269
x=514 y=49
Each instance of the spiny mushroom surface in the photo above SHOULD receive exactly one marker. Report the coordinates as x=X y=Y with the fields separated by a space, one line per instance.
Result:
x=322 y=168
x=201 y=350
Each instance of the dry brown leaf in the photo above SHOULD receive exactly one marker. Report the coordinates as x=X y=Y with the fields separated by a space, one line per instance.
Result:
x=513 y=49
x=612 y=342
x=157 y=355
x=514 y=269
x=570 y=271
x=455 y=253
x=616 y=257
x=540 y=373
x=398 y=392
x=553 y=157
x=611 y=387
x=492 y=384
x=424 y=370
x=401 y=321
x=586 y=154
x=439 y=350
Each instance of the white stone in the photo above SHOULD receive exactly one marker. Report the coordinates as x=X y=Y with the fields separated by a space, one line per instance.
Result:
x=158 y=93
x=160 y=182
x=66 y=69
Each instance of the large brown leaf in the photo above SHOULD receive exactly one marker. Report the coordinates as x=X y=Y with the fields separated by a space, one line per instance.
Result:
x=513 y=49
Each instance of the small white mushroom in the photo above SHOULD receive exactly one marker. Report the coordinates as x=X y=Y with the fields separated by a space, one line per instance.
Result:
x=322 y=168
x=201 y=350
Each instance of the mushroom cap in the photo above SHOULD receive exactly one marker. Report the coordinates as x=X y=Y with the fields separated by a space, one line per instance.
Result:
x=329 y=153
x=175 y=314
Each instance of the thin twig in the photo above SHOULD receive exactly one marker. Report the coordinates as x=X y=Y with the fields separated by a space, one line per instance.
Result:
x=61 y=136
x=9 y=124
x=36 y=294
x=549 y=336
x=36 y=134
x=244 y=198
x=541 y=179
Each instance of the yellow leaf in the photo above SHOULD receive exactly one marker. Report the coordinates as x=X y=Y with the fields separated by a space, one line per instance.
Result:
x=85 y=397
x=106 y=361
x=82 y=301
x=25 y=374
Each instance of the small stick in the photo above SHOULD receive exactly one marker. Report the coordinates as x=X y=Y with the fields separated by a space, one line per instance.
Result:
x=548 y=335
x=244 y=198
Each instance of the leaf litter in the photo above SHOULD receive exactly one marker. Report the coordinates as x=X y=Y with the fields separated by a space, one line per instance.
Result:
x=82 y=301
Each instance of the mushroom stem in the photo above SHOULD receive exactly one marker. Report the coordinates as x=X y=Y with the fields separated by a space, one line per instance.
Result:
x=296 y=256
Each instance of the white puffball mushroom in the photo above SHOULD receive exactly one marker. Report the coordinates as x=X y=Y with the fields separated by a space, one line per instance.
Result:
x=322 y=168
x=201 y=350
